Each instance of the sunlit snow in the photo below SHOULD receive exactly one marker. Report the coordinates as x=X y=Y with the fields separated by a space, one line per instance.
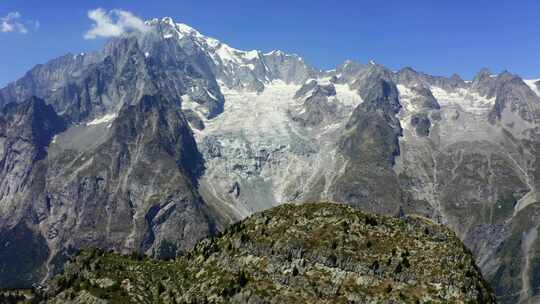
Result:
x=103 y=119
x=469 y=101
x=532 y=84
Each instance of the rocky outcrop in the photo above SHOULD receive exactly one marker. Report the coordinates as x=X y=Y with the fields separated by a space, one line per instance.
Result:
x=348 y=71
x=516 y=97
x=370 y=144
x=315 y=104
x=424 y=98
x=411 y=78
x=290 y=254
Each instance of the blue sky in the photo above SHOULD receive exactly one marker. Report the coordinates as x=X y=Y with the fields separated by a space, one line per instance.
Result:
x=437 y=37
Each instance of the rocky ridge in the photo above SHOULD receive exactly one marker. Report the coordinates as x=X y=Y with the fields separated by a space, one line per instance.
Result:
x=325 y=253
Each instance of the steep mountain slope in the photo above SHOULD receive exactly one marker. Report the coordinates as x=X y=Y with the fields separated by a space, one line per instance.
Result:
x=324 y=253
x=478 y=163
x=125 y=185
x=166 y=136
x=26 y=130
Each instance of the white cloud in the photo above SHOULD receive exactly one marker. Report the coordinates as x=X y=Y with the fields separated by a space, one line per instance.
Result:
x=113 y=23
x=11 y=23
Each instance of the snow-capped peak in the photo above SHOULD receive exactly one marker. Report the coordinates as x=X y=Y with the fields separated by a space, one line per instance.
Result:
x=234 y=67
x=220 y=52
x=281 y=53
x=275 y=52
x=188 y=30
x=171 y=27
x=218 y=49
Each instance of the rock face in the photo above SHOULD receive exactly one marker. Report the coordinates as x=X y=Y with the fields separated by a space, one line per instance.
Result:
x=317 y=108
x=369 y=144
x=27 y=129
x=324 y=253
x=135 y=189
x=127 y=184
x=167 y=136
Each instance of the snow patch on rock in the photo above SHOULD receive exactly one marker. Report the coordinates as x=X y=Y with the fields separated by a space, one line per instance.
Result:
x=532 y=84
x=103 y=119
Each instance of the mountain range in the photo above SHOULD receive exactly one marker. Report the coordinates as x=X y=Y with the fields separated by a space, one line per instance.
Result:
x=168 y=136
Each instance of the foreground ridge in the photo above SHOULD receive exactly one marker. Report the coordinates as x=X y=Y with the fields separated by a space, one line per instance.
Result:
x=324 y=253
